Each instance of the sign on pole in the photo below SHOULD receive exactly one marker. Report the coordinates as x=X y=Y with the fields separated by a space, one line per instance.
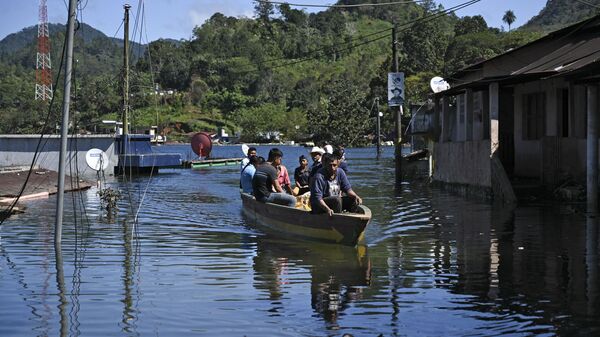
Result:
x=395 y=89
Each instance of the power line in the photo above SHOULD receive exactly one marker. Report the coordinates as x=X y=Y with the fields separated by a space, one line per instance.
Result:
x=324 y=49
x=406 y=26
x=587 y=3
x=342 y=6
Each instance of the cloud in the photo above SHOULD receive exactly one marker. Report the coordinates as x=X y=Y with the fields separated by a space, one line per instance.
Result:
x=200 y=12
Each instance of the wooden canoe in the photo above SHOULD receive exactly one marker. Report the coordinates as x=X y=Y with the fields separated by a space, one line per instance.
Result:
x=344 y=228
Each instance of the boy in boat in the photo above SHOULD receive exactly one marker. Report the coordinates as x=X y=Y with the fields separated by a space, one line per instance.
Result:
x=248 y=173
x=265 y=179
x=249 y=154
x=301 y=174
x=326 y=189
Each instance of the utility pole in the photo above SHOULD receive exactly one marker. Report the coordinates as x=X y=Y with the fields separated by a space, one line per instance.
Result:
x=64 y=129
x=126 y=73
x=378 y=138
x=398 y=140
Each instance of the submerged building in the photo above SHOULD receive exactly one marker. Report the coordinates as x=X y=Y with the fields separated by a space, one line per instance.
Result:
x=530 y=114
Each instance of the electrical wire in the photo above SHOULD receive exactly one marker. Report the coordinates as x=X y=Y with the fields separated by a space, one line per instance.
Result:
x=406 y=26
x=39 y=145
x=119 y=28
x=588 y=3
x=342 y=6
x=445 y=11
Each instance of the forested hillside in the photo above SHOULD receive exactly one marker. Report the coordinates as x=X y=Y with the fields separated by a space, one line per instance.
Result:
x=302 y=74
x=558 y=14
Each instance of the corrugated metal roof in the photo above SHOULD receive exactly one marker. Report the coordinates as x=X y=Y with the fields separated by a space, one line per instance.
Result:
x=578 y=51
x=579 y=47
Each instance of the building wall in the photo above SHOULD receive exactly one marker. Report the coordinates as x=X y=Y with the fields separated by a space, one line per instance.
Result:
x=570 y=151
x=529 y=153
x=465 y=163
x=18 y=150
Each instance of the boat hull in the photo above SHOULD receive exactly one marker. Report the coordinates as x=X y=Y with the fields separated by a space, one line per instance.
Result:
x=343 y=228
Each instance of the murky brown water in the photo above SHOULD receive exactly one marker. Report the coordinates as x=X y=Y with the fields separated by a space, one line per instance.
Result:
x=433 y=265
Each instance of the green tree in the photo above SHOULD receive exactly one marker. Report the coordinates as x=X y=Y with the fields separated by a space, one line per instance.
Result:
x=469 y=49
x=423 y=47
x=470 y=24
x=255 y=122
x=509 y=17
x=263 y=10
x=341 y=117
x=292 y=16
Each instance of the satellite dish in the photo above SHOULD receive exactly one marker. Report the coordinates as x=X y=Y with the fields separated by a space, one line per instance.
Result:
x=96 y=159
x=202 y=144
x=438 y=84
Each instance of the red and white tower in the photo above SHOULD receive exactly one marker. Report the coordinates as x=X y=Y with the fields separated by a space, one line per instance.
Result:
x=43 y=74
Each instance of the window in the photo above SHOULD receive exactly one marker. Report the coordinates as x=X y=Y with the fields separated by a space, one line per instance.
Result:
x=563 y=105
x=534 y=116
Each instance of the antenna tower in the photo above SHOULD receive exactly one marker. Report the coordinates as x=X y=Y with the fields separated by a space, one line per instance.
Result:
x=43 y=68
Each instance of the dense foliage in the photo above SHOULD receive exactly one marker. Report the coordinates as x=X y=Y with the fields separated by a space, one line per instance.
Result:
x=307 y=76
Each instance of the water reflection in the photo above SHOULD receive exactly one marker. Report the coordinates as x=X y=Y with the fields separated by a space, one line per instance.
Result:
x=130 y=264
x=523 y=265
x=62 y=291
x=337 y=274
x=591 y=260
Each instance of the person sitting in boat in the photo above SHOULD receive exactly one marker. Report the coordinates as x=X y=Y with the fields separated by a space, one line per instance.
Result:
x=327 y=186
x=284 y=177
x=265 y=180
x=316 y=153
x=301 y=174
x=250 y=153
x=248 y=173
x=339 y=152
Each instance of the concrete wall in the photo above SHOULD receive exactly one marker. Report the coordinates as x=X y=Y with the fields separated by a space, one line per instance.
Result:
x=465 y=163
x=18 y=150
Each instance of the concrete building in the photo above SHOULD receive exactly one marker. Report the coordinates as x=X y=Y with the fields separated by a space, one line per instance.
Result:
x=526 y=114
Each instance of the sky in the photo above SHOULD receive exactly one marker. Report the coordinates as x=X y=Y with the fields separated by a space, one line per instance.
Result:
x=176 y=18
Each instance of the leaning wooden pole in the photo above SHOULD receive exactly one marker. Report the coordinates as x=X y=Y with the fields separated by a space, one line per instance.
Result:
x=64 y=129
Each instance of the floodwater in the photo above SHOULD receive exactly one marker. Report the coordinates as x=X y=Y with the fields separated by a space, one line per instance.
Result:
x=433 y=264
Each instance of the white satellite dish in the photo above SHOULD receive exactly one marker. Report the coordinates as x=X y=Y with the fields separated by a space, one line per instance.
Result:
x=438 y=84
x=96 y=159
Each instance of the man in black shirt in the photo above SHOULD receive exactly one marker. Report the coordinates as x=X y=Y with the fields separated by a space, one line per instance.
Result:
x=265 y=180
